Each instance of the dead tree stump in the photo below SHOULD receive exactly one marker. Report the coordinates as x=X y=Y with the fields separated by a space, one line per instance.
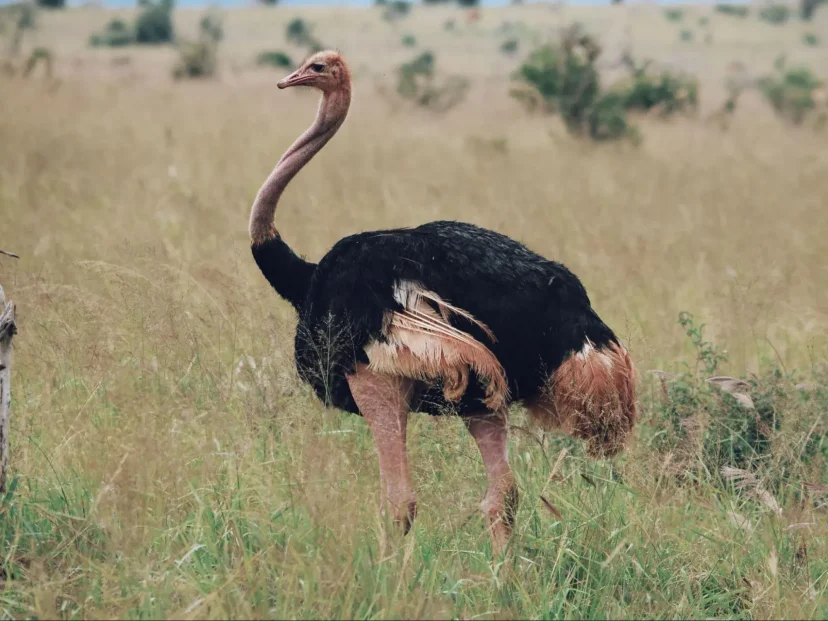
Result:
x=7 y=331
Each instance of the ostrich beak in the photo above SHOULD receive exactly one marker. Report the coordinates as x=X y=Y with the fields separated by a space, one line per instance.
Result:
x=296 y=78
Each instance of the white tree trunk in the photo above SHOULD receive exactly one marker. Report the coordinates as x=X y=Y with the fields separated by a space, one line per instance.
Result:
x=7 y=331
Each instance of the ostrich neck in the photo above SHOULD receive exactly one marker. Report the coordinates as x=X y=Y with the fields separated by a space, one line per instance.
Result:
x=333 y=108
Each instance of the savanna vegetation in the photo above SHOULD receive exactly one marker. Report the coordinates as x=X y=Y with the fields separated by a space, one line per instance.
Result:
x=166 y=461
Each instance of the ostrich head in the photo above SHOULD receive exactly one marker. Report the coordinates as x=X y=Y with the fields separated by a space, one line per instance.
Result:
x=325 y=71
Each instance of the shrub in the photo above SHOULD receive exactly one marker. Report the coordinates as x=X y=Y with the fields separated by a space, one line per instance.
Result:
x=673 y=15
x=300 y=33
x=468 y=3
x=51 y=4
x=665 y=91
x=790 y=91
x=509 y=46
x=154 y=24
x=416 y=82
x=775 y=14
x=274 y=59
x=810 y=39
x=212 y=26
x=199 y=59
x=686 y=35
x=409 y=40
x=734 y=10
x=395 y=10
x=116 y=34
x=562 y=78
x=269 y=2
x=807 y=8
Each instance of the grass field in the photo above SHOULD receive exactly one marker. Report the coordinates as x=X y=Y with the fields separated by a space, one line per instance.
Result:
x=168 y=462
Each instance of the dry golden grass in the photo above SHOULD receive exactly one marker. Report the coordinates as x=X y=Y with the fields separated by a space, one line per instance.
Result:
x=159 y=476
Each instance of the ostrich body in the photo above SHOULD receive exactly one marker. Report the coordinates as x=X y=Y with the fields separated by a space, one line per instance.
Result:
x=443 y=317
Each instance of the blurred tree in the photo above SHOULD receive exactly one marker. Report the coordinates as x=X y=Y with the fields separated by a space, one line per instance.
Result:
x=51 y=4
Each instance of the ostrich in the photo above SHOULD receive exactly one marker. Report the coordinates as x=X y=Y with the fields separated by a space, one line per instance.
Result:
x=443 y=317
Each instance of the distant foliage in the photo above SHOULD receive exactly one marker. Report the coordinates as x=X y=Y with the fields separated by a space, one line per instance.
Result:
x=395 y=10
x=810 y=39
x=300 y=33
x=51 y=4
x=17 y=19
x=563 y=78
x=468 y=3
x=409 y=40
x=686 y=35
x=269 y=2
x=662 y=91
x=734 y=10
x=510 y=46
x=674 y=15
x=199 y=59
x=116 y=34
x=807 y=8
x=417 y=83
x=775 y=14
x=704 y=21
x=154 y=24
x=274 y=59
x=791 y=91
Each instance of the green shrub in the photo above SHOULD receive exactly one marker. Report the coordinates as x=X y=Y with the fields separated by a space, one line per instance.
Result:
x=468 y=3
x=775 y=13
x=509 y=46
x=416 y=82
x=673 y=15
x=116 y=34
x=300 y=33
x=274 y=59
x=686 y=35
x=409 y=40
x=197 y=59
x=734 y=10
x=51 y=4
x=807 y=8
x=790 y=91
x=562 y=78
x=810 y=39
x=211 y=26
x=665 y=91
x=154 y=24
x=395 y=10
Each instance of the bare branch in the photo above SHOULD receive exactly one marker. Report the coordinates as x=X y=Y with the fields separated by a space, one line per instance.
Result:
x=9 y=254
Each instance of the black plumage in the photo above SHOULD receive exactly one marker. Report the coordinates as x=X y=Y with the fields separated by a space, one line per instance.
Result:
x=538 y=309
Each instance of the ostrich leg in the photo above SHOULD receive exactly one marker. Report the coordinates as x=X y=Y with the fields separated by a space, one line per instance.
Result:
x=384 y=402
x=500 y=504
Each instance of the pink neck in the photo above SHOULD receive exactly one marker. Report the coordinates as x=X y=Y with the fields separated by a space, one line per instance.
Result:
x=333 y=108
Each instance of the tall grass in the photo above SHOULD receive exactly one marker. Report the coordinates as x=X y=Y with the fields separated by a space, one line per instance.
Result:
x=168 y=463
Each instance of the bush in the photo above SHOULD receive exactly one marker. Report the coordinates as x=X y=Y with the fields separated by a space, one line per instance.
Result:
x=734 y=10
x=212 y=26
x=686 y=35
x=810 y=39
x=408 y=40
x=510 y=46
x=197 y=59
x=791 y=91
x=468 y=3
x=154 y=24
x=807 y=8
x=673 y=15
x=274 y=59
x=395 y=10
x=300 y=33
x=116 y=34
x=416 y=82
x=562 y=78
x=663 y=91
x=775 y=14
x=51 y=4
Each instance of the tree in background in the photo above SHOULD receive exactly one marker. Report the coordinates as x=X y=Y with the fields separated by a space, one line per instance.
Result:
x=51 y=4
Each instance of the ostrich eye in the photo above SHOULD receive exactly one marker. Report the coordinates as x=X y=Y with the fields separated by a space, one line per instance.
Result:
x=318 y=67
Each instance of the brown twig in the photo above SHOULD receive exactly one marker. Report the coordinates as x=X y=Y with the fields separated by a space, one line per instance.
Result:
x=9 y=254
